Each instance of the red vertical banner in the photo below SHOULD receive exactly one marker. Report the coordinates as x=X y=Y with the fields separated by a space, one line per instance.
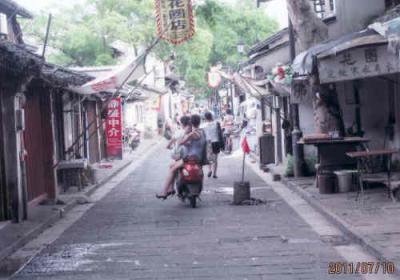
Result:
x=114 y=129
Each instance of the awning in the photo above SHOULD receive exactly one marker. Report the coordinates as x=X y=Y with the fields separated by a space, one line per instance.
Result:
x=251 y=86
x=391 y=31
x=12 y=8
x=305 y=63
x=368 y=40
x=280 y=89
x=138 y=92
x=115 y=78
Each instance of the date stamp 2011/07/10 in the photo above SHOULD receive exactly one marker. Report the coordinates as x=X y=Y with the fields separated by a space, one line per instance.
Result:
x=361 y=267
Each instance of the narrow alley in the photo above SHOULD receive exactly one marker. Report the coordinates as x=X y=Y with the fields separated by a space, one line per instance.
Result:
x=129 y=234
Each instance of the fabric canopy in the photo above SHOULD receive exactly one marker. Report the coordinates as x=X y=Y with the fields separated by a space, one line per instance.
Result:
x=384 y=31
x=115 y=78
x=255 y=88
x=304 y=63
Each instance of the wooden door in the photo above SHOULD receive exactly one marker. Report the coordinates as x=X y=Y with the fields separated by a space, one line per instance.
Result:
x=33 y=139
x=93 y=135
x=3 y=190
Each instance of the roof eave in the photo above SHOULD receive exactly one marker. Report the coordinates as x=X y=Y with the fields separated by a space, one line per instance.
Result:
x=12 y=8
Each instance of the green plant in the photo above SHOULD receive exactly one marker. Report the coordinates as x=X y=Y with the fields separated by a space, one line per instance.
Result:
x=311 y=161
x=289 y=170
x=309 y=166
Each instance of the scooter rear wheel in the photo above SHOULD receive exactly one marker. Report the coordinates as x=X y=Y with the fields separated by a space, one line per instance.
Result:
x=193 y=201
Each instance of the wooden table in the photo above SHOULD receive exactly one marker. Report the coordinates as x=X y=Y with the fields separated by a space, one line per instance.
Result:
x=332 y=152
x=365 y=166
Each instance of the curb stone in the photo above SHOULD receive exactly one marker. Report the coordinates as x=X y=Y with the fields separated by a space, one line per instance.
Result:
x=53 y=218
x=36 y=231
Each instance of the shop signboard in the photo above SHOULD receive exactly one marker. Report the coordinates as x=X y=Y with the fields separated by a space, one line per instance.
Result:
x=175 y=22
x=114 y=129
x=358 y=63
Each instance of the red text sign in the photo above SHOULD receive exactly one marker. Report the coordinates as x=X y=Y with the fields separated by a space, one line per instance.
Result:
x=114 y=129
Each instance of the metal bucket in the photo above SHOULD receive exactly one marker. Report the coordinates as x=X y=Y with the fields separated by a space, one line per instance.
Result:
x=345 y=180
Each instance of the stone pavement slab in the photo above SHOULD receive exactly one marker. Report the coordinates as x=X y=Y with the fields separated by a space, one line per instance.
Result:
x=41 y=217
x=130 y=234
x=375 y=224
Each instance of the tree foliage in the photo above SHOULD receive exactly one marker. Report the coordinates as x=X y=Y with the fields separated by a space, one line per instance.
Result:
x=82 y=34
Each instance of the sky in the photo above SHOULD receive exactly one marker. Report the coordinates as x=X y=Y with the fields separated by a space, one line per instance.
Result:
x=275 y=8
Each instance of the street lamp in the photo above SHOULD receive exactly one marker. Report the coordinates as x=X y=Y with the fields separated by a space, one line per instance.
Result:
x=240 y=47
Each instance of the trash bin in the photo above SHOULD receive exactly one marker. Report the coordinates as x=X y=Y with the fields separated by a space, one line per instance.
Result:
x=266 y=145
x=345 y=180
x=326 y=183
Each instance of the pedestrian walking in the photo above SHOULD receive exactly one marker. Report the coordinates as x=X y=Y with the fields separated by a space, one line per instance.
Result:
x=213 y=133
x=227 y=125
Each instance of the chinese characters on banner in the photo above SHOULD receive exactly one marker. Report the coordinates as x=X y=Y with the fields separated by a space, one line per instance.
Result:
x=114 y=129
x=358 y=64
x=175 y=21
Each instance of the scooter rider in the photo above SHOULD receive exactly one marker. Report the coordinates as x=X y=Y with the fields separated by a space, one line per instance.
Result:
x=193 y=145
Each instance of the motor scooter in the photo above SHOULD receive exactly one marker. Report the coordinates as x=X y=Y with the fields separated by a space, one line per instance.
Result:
x=189 y=183
x=134 y=139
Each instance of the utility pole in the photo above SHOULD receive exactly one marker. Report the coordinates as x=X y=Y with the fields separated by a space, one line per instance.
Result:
x=47 y=35
x=298 y=150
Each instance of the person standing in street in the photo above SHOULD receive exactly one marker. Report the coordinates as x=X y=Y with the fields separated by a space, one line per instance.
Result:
x=213 y=131
x=228 y=124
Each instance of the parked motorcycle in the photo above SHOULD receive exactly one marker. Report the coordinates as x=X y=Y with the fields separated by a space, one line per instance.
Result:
x=134 y=139
x=189 y=183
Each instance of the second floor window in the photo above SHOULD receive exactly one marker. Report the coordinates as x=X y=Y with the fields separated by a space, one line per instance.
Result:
x=324 y=8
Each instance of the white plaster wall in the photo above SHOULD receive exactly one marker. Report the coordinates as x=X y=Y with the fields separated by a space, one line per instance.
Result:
x=132 y=112
x=374 y=101
x=353 y=15
x=269 y=61
x=306 y=116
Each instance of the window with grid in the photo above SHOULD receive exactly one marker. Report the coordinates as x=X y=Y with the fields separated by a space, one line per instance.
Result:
x=319 y=7
x=324 y=8
x=332 y=6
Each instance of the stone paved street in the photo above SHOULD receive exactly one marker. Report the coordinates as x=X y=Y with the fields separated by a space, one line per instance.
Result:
x=131 y=235
x=376 y=221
